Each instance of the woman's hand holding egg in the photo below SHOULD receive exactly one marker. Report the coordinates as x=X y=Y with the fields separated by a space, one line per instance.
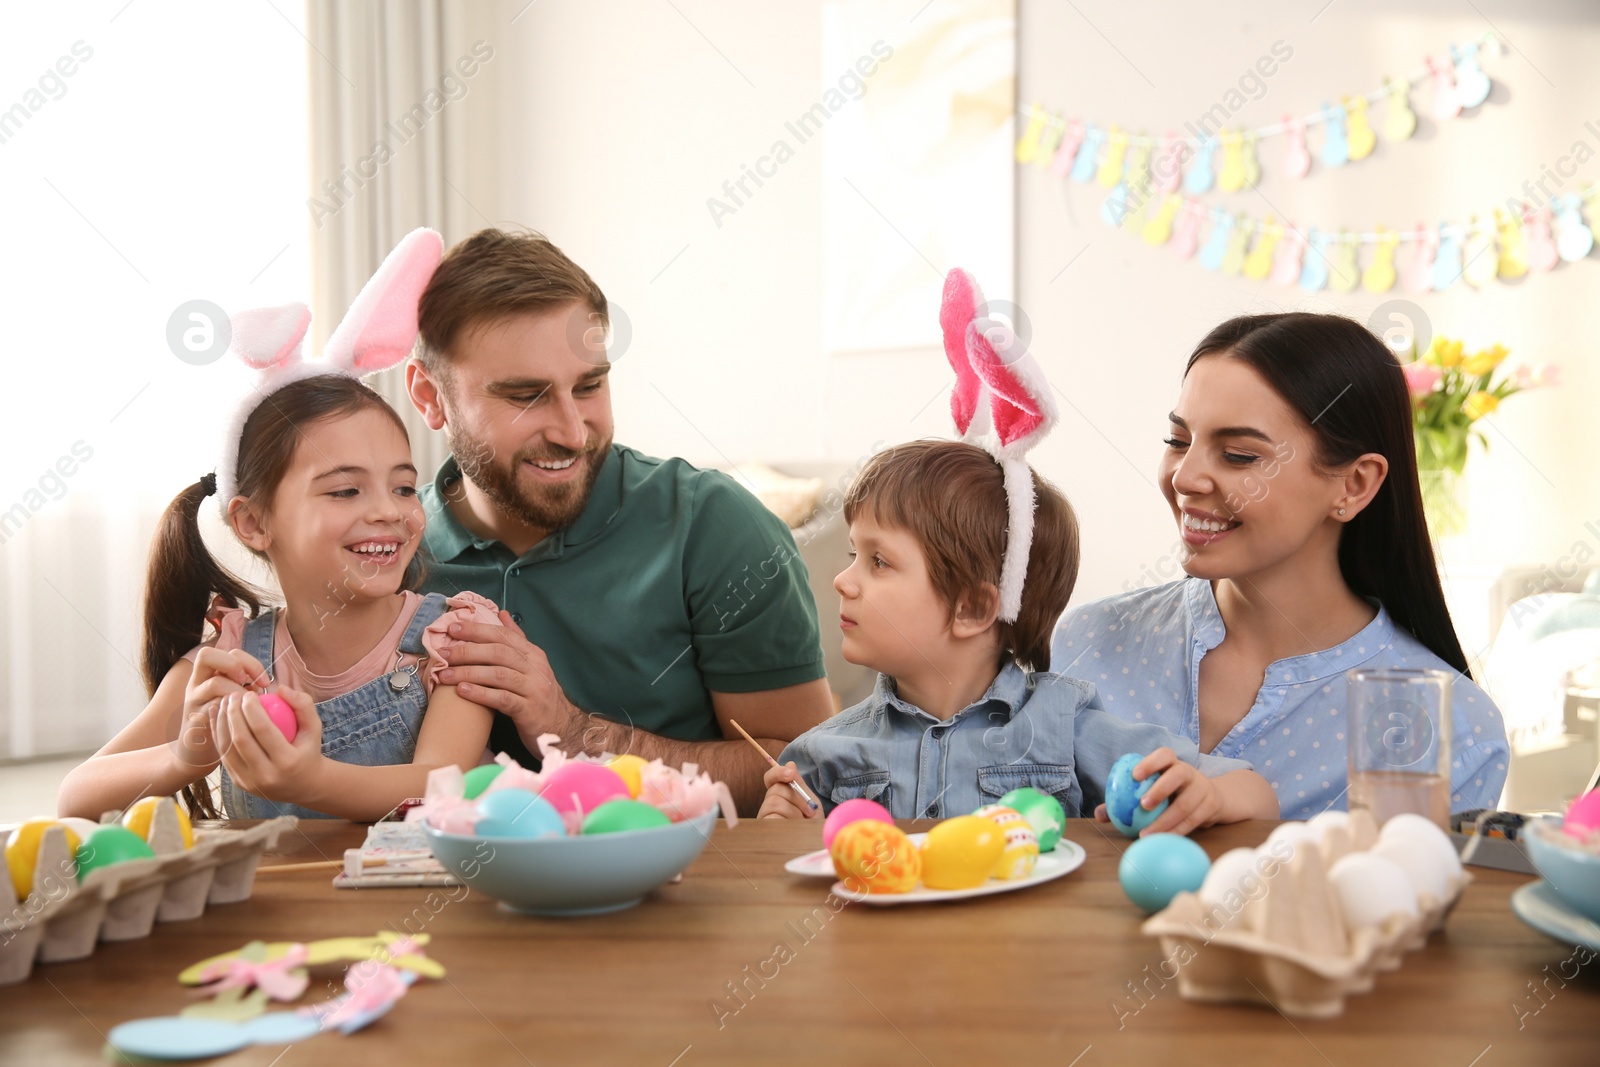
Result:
x=257 y=755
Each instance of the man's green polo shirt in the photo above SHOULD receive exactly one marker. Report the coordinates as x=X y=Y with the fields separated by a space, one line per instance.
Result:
x=673 y=582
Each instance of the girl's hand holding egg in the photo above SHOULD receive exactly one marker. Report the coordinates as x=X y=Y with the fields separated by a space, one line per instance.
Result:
x=257 y=753
x=215 y=675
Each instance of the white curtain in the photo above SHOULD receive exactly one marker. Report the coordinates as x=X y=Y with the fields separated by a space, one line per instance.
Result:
x=388 y=152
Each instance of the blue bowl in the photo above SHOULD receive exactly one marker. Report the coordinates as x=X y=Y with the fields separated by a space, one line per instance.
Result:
x=1573 y=873
x=585 y=875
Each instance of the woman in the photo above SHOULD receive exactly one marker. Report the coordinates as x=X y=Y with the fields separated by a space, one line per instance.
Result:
x=1292 y=476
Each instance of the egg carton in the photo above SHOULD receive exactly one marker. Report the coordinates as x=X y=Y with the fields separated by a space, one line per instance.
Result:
x=63 y=918
x=1290 y=946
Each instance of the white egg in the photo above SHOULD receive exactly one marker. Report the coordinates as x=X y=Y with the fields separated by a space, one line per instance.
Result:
x=1294 y=834
x=1226 y=872
x=1328 y=820
x=82 y=827
x=1423 y=834
x=1371 y=888
x=1429 y=876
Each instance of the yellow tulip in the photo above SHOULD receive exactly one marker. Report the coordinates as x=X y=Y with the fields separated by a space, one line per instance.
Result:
x=1485 y=361
x=1450 y=353
x=1431 y=356
x=1480 y=404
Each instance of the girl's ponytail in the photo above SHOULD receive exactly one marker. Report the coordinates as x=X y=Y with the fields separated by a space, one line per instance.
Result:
x=181 y=579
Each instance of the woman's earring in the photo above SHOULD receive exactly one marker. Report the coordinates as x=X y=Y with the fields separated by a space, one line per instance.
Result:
x=1341 y=511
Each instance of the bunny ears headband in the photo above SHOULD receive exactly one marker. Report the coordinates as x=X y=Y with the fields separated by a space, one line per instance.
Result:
x=1002 y=402
x=377 y=333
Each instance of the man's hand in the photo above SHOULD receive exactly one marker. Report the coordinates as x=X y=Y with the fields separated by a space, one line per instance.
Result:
x=499 y=668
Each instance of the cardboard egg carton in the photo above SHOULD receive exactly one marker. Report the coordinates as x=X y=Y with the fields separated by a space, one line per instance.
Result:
x=63 y=918
x=1290 y=946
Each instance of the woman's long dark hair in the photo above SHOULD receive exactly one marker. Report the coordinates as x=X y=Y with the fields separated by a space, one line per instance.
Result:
x=182 y=575
x=1348 y=387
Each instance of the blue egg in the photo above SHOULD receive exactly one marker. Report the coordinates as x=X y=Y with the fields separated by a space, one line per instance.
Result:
x=517 y=813
x=1123 y=795
x=1157 y=868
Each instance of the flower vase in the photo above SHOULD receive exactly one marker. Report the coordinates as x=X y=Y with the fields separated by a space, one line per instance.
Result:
x=1442 y=501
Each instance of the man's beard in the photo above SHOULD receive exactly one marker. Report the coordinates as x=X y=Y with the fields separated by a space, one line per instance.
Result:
x=548 y=507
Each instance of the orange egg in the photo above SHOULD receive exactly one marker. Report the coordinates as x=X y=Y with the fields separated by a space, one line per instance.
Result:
x=877 y=857
x=961 y=853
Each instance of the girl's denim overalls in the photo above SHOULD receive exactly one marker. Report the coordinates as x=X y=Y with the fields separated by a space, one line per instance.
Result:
x=373 y=726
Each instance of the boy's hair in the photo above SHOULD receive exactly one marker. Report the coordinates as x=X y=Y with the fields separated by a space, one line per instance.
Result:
x=951 y=497
x=493 y=275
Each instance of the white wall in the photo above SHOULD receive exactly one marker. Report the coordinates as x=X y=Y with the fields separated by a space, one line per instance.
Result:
x=618 y=120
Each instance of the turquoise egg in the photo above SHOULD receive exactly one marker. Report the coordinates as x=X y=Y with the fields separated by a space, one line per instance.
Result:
x=517 y=813
x=1123 y=795
x=1157 y=868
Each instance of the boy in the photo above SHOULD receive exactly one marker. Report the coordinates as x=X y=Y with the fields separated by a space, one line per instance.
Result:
x=957 y=719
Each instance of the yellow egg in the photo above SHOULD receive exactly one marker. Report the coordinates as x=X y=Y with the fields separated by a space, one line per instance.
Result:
x=961 y=853
x=875 y=856
x=22 y=852
x=630 y=768
x=1022 y=844
x=139 y=817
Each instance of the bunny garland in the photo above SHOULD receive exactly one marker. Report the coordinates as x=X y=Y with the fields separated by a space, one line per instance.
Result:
x=377 y=333
x=1001 y=402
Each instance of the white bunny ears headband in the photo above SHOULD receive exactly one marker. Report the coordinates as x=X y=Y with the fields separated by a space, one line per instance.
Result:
x=377 y=333
x=1001 y=402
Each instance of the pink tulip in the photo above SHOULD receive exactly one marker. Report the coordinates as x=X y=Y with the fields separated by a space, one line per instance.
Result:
x=1421 y=378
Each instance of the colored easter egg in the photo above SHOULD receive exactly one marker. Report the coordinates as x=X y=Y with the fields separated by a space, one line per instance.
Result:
x=620 y=814
x=517 y=813
x=586 y=786
x=961 y=853
x=281 y=714
x=631 y=770
x=1157 y=868
x=475 y=781
x=1043 y=812
x=1022 y=844
x=1583 y=815
x=111 y=845
x=848 y=812
x=22 y=852
x=1123 y=795
x=875 y=856
x=142 y=814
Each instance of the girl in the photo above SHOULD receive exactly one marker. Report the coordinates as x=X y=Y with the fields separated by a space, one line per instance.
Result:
x=1292 y=479
x=318 y=481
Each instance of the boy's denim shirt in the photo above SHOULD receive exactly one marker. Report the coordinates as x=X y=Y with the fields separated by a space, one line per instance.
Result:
x=1027 y=730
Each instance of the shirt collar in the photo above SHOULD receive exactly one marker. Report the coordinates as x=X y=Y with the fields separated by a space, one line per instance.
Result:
x=1010 y=688
x=1209 y=630
x=446 y=538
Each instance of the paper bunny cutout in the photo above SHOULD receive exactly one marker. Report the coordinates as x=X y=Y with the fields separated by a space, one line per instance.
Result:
x=1002 y=402
x=377 y=333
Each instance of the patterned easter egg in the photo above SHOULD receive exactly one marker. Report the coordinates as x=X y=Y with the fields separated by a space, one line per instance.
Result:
x=1022 y=844
x=875 y=856
x=1043 y=812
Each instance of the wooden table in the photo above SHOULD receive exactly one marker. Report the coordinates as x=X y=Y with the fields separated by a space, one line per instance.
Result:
x=1045 y=975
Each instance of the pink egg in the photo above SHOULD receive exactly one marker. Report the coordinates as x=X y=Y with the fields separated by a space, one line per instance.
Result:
x=582 y=785
x=1583 y=818
x=852 y=811
x=281 y=714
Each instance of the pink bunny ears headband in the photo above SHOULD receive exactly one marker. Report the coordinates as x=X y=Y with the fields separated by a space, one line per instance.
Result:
x=1002 y=402
x=377 y=333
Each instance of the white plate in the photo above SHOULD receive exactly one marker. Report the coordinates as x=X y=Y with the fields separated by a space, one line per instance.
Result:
x=1067 y=857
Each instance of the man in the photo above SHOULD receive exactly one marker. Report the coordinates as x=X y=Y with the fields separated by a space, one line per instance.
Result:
x=648 y=604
